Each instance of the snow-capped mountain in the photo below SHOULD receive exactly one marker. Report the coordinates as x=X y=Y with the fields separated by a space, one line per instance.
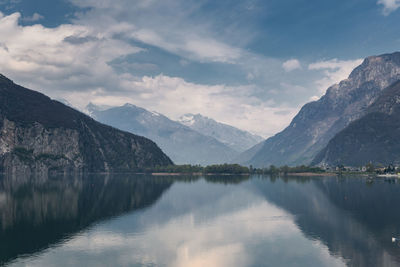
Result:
x=235 y=138
x=182 y=144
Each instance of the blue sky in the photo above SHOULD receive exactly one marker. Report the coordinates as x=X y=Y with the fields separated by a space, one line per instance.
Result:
x=249 y=63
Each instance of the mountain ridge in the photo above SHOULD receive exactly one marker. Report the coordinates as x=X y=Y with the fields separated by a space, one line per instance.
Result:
x=317 y=122
x=182 y=144
x=372 y=138
x=235 y=138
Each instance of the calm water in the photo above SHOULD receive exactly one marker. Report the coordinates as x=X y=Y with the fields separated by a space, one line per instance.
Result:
x=130 y=220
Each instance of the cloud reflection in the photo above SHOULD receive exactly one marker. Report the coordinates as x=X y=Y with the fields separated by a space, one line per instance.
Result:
x=253 y=233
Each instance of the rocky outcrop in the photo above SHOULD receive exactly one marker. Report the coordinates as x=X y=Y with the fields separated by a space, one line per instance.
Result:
x=318 y=122
x=38 y=134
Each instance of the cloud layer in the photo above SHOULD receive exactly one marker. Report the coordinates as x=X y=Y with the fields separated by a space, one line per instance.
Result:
x=71 y=62
x=389 y=6
x=291 y=64
x=106 y=55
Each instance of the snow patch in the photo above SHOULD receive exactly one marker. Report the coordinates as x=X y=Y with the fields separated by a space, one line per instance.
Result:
x=187 y=119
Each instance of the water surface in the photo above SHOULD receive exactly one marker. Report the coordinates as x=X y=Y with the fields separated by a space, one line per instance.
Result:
x=128 y=220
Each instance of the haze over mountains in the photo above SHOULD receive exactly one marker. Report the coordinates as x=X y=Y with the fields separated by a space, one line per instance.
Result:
x=204 y=141
x=319 y=121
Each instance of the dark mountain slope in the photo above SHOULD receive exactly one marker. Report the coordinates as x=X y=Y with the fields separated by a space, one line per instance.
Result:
x=372 y=138
x=39 y=133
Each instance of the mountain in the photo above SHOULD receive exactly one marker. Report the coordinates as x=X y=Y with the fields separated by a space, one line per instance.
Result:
x=319 y=121
x=37 y=133
x=372 y=138
x=181 y=143
x=245 y=156
x=236 y=139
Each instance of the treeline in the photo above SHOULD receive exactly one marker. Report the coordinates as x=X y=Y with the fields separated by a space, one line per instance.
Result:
x=273 y=170
x=235 y=169
x=227 y=168
x=217 y=169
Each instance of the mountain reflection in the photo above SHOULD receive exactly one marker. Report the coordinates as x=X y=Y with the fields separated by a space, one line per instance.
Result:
x=354 y=219
x=198 y=221
x=36 y=212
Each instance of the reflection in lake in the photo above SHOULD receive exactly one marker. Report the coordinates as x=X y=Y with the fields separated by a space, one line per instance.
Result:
x=36 y=212
x=125 y=220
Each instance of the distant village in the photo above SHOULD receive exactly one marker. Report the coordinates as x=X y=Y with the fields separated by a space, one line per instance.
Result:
x=370 y=168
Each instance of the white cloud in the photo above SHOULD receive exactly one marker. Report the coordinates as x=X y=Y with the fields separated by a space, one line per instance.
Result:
x=389 y=6
x=200 y=48
x=70 y=62
x=291 y=65
x=334 y=70
x=33 y=18
x=41 y=57
x=172 y=27
x=174 y=96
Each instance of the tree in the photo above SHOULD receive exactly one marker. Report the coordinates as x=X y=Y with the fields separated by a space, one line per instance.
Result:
x=285 y=169
x=370 y=167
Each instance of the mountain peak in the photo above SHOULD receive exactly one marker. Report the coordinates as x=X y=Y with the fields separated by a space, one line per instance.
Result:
x=140 y=109
x=237 y=139
x=4 y=79
x=373 y=67
x=187 y=119
x=190 y=119
x=182 y=143
x=129 y=105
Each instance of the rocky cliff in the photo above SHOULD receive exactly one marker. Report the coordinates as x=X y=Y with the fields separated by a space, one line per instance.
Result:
x=372 y=138
x=39 y=134
x=319 y=121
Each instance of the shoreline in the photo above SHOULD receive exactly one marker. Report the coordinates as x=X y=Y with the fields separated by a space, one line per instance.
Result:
x=311 y=174
x=194 y=174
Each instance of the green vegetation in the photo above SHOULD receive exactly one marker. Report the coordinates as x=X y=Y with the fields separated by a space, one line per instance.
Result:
x=212 y=169
x=227 y=168
x=187 y=168
x=370 y=167
x=234 y=169
x=273 y=170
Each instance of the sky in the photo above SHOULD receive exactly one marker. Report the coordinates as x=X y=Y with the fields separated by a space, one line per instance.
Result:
x=248 y=63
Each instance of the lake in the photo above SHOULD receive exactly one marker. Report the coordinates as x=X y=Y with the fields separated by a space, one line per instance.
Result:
x=133 y=220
